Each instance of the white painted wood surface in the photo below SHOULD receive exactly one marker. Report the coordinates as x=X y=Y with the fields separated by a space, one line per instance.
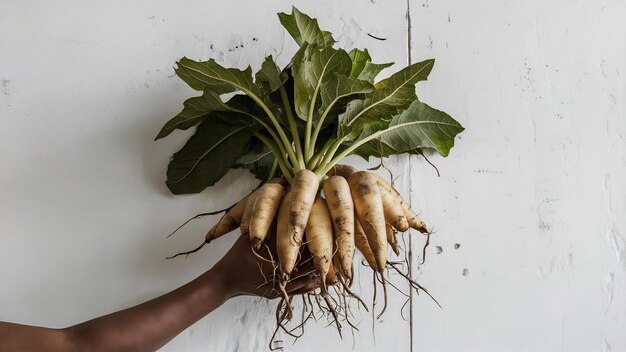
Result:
x=534 y=192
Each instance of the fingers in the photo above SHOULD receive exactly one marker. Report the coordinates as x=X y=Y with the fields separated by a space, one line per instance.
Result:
x=303 y=284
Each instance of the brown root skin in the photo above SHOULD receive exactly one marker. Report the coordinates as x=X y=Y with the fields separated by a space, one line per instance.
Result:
x=392 y=240
x=226 y=224
x=264 y=211
x=304 y=191
x=244 y=225
x=331 y=277
x=339 y=201
x=319 y=236
x=394 y=213
x=230 y=221
x=413 y=220
x=287 y=246
x=293 y=217
x=360 y=240
x=370 y=212
x=342 y=170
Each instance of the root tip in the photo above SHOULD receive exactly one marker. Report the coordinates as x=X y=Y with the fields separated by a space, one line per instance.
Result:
x=284 y=277
x=256 y=244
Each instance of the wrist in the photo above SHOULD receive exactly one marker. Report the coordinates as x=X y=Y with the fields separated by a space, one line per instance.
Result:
x=223 y=284
x=215 y=286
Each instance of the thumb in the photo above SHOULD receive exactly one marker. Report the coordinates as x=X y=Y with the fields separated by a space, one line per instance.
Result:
x=303 y=284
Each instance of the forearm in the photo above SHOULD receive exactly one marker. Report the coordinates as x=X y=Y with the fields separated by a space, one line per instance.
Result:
x=144 y=327
x=150 y=325
x=18 y=337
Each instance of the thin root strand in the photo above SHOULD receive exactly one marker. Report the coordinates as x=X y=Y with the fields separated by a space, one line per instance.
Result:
x=186 y=254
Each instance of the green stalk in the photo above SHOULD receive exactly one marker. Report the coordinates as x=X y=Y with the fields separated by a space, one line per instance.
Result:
x=307 y=137
x=271 y=132
x=313 y=161
x=273 y=169
x=279 y=129
x=294 y=129
x=318 y=128
x=317 y=158
x=308 y=148
x=280 y=158
x=326 y=167
x=330 y=152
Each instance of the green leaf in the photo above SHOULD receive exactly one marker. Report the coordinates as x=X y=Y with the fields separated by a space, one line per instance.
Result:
x=258 y=159
x=338 y=92
x=209 y=74
x=419 y=126
x=362 y=66
x=207 y=156
x=315 y=68
x=270 y=76
x=392 y=96
x=195 y=109
x=305 y=29
x=369 y=119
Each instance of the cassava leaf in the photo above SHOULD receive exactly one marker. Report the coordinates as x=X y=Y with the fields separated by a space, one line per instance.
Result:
x=338 y=92
x=277 y=100
x=208 y=155
x=270 y=76
x=419 y=126
x=392 y=96
x=195 y=109
x=305 y=29
x=316 y=67
x=362 y=66
x=258 y=159
x=369 y=119
x=209 y=74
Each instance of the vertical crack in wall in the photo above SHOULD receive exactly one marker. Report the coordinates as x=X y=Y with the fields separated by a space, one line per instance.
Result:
x=409 y=59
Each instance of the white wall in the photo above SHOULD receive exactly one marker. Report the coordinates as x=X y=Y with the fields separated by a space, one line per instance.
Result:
x=533 y=192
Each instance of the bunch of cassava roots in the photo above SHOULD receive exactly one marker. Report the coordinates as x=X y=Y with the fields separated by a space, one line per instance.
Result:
x=291 y=127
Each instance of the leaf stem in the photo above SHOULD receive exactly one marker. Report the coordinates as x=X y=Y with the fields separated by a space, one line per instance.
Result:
x=357 y=144
x=294 y=129
x=329 y=153
x=310 y=148
x=318 y=128
x=317 y=158
x=273 y=169
x=279 y=157
x=314 y=161
x=270 y=114
x=279 y=129
x=271 y=132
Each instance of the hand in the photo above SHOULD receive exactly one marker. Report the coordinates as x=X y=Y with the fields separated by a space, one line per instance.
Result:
x=244 y=273
x=150 y=325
